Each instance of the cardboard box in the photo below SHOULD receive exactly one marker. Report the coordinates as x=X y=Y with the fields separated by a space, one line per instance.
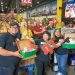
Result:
x=26 y=43
x=24 y=47
x=25 y=62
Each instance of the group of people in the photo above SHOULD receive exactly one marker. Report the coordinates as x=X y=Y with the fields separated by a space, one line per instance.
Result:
x=9 y=52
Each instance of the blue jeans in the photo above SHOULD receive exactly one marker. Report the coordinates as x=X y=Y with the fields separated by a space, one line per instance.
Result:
x=6 y=71
x=62 y=61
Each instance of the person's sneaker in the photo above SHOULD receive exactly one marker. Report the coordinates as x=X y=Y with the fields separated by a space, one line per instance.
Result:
x=59 y=73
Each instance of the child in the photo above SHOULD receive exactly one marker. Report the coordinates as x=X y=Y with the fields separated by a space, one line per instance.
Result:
x=42 y=59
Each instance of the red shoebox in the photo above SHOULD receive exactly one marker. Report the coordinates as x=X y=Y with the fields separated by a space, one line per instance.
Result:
x=48 y=47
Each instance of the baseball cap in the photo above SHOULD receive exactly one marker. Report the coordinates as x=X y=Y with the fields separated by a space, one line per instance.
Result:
x=14 y=24
x=46 y=32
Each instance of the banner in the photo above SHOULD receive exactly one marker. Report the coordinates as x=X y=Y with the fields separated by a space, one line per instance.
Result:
x=26 y=2
x=69 y=32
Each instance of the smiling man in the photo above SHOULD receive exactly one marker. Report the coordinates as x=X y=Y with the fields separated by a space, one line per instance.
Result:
x=9 y=54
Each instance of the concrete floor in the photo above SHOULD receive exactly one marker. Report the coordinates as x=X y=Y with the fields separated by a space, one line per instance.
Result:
x=70 y=71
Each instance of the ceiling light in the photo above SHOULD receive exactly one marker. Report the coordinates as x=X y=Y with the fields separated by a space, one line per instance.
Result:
x=1 y=3
x=31 y=6
x=14 y=8
x=27 y=7
x=22 y=10
x=2 y=10
x=38 y=2
x=6 y=7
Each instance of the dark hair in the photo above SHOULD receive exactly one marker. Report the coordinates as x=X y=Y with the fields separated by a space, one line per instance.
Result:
x=13 y=23
x=56 y=30
x=46 y=32
x=71 y=6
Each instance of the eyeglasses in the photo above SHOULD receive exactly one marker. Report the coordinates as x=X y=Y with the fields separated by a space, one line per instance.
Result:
x=15 y=27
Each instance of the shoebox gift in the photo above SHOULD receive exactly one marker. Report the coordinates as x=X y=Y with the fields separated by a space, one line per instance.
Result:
x=27 y=48
x=70 y=45
x=48 y=47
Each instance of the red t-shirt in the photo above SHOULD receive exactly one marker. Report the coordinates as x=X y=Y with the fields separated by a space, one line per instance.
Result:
x=30 y=27
x=37 y=28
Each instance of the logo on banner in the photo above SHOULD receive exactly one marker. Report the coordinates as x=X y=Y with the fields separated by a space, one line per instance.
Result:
x=27 y=2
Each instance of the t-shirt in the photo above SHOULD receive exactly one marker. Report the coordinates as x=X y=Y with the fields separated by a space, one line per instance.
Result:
x=60 y=50
x=30 y=27
x=40 y=54
x=8 y=42
x=37 y=29
x=49 y=28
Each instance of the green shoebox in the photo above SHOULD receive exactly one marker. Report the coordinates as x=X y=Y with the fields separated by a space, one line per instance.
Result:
x=27 y=54
x=69 y=46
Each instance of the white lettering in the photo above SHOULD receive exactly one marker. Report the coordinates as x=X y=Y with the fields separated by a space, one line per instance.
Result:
x=25 y=1
x=29 y=1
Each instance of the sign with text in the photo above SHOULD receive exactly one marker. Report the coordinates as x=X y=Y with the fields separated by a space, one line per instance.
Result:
x=69 y=32
x=26 y=2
